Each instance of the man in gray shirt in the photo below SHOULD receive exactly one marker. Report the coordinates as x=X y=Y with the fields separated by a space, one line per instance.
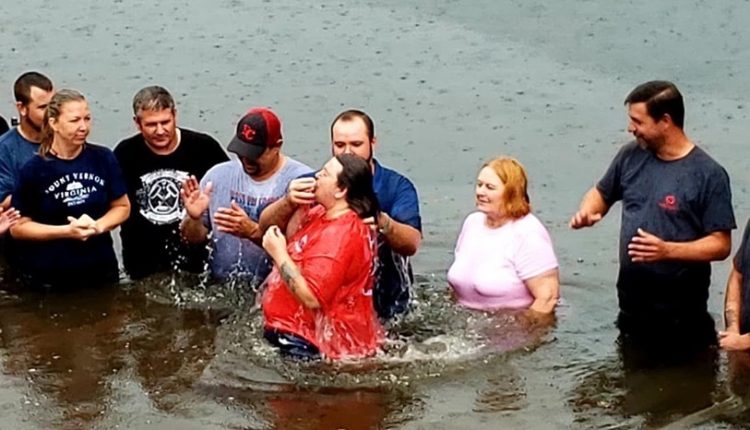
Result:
x=676 y=218
x=231 y=196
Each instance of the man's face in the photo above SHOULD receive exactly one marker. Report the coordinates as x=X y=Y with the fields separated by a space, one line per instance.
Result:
x=159 y=129
x=261 y=166
x=326 y=183
x=350 y=137
x=32 y=113
x=648 y=132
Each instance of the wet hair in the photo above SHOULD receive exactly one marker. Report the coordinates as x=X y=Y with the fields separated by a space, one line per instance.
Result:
x=356 y=177
x=352 y=114
x=54 y=108
x=661 y=98
x=153 y=98
x=22 y=87
x=515 y=196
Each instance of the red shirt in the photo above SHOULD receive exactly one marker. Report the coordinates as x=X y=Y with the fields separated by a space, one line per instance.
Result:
x=336 y=258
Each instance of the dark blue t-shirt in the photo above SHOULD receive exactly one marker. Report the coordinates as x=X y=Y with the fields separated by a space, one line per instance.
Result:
x=15 y=151
x=397 y=197
x=679 y=200
x=51 y=189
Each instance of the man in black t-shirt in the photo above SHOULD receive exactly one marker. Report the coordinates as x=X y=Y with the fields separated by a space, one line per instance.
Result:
x=676 y=218
x=154 y=163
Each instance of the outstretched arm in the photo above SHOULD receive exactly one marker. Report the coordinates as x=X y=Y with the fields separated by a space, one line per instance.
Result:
x=592 y=210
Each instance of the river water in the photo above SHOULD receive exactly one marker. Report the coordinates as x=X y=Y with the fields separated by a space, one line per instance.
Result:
x=449 y=83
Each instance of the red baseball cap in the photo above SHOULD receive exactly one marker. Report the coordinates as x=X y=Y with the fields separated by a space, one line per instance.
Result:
x=258 y=130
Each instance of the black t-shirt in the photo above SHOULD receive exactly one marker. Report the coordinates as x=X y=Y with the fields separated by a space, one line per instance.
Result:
x=680 y=200
x=150 y=237
x=51 y=189
x=3 y=125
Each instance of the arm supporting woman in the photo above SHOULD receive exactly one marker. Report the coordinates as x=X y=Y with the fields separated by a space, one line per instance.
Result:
x=545 y=288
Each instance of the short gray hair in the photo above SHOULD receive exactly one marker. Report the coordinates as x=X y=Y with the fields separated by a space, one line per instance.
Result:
x=152 y=98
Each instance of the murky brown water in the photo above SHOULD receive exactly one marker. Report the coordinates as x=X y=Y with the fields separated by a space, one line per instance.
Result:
x=449 y=83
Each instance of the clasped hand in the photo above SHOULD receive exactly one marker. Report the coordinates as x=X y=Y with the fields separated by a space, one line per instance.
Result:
x=83 y=227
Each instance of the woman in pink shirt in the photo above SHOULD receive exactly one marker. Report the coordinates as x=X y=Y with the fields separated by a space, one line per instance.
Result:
x=504 y=255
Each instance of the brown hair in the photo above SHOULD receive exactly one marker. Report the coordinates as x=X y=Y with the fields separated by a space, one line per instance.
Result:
x=54 y=108
x=515 y=197
x=22 y=86
x=351 y=115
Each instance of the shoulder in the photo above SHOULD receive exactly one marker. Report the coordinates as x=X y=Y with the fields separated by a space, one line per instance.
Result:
x=707 y=163
x=129 y=144
x=387 y=180
x=99 y=150
x=295 y=168
x=191 y=136
x=222 y=168
x=8 y=138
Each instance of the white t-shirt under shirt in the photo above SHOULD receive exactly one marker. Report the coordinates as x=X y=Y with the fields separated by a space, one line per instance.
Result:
x=491 y=264
x=231 y=256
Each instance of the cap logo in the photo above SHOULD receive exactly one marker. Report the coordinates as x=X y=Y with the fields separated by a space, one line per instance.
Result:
x=247 y=132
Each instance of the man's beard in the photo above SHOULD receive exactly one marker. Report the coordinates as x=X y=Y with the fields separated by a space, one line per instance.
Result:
x=29 y=123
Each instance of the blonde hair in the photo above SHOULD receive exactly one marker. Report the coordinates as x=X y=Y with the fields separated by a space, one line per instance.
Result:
x=515 y=197
x=60 y=99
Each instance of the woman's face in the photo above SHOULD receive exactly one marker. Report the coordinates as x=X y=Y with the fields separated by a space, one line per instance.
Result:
x=489 y=192
x=326 y=183
x=74 y=123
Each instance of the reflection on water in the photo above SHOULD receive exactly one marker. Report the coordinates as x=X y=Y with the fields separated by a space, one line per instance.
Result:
x=187 y=349
x=184 y=342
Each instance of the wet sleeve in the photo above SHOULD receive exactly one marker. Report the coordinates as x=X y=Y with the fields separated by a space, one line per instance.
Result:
x=405 y=208
x=117 y=187
x=7 y=177
x=535 y=254
x=610 y=185
x=741 y=257
x=718 y=214
x=325 y=264
x=23 y=199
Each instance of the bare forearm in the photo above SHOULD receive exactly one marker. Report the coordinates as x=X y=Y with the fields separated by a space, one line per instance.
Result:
x=733 y=301
x=545 y=288
x=593 y=202
x=296 y=282
x=193 y=230
x=116 y=215
x=26 y=229
x=715 y=246
x=277 y=213
x=402 y=238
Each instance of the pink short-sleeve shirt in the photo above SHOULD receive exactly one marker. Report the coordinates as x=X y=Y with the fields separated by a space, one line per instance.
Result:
x=491 y=264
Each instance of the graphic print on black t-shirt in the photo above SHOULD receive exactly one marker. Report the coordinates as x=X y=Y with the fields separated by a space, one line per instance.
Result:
x=159 y=196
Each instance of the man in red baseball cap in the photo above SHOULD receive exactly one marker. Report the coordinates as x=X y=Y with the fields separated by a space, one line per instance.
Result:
x=231 y=196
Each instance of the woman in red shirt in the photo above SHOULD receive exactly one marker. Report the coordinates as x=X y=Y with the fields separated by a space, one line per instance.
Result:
x=319 y=294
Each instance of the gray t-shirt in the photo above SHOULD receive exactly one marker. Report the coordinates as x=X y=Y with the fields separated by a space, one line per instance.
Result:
x=231 y=256
x=680 y=200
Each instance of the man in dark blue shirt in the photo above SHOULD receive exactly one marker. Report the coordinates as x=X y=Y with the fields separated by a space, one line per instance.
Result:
x=399 y=223
x=33 y=92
